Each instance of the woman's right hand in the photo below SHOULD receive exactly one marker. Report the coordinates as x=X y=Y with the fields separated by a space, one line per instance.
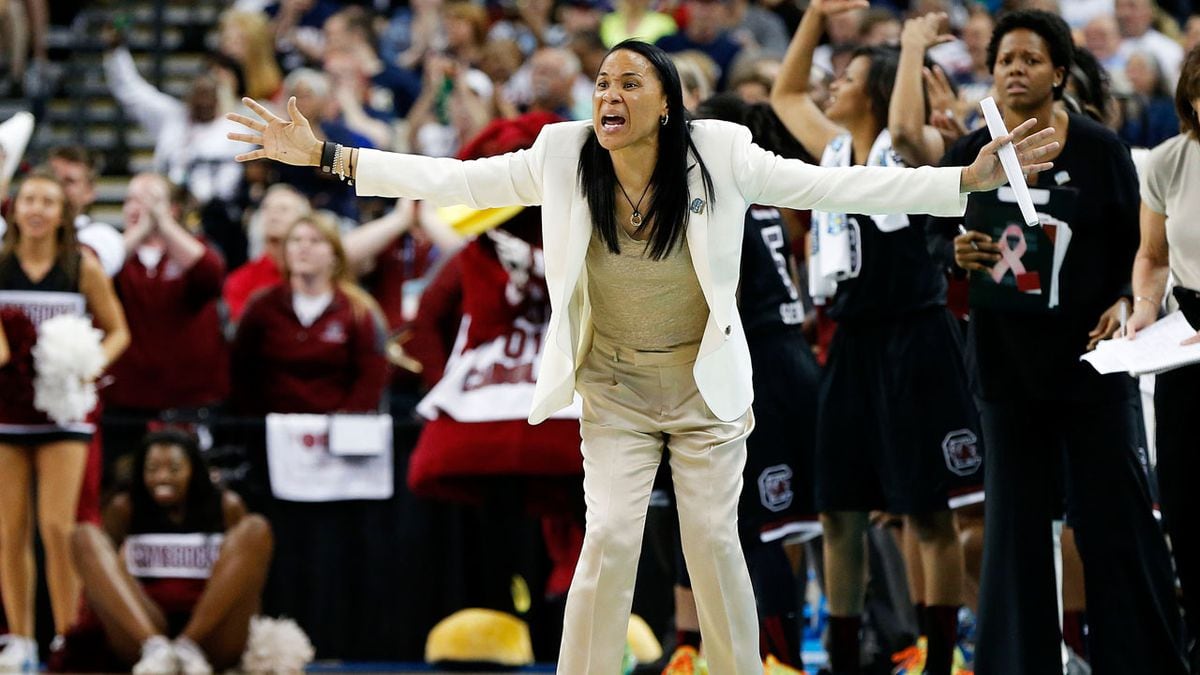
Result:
x=288 y=141
x=922 y=32
x=1144 y=315
x=975 y=251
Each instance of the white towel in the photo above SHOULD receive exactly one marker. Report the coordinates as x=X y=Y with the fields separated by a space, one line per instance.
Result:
x=836 y=241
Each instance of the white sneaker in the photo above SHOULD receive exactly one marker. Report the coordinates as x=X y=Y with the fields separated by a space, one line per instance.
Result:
x=20 y=654
x=158 y=658
x=191 y=657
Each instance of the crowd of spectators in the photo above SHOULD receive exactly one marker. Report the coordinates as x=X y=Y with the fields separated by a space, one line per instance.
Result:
x=426 y=77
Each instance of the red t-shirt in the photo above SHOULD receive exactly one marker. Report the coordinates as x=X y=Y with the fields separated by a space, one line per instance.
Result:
x=260 y=273
x=177 y=356
x=279 y=365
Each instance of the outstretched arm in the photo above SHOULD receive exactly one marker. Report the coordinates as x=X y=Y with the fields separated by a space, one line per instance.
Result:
x=507 y=180
x=790 y=96
x=916 y=142
x=768 y=179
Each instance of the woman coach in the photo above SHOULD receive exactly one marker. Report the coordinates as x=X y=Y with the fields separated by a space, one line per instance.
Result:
x=642 y=214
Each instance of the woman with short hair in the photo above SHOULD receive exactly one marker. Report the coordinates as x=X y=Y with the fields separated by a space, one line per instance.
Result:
x=1059 y=436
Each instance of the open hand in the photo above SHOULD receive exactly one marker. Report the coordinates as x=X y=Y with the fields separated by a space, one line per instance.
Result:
x=288 y=141
x=986 y=172
x=157 y=202
x=974 y=251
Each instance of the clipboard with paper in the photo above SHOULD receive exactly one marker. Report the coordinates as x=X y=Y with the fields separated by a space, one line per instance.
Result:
x=1026 y=278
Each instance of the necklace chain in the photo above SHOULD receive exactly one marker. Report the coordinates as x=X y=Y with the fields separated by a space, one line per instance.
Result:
x=635 y=219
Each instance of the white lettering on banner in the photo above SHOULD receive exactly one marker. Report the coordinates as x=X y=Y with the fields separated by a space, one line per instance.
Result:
x=42 y=305
x=508 y=359
x=493 y=381
x=172 y=556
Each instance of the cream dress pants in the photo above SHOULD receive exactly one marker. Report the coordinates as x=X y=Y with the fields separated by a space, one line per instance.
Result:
x=634 y=404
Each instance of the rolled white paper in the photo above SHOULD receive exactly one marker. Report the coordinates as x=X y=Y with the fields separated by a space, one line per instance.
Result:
x=1008 y=160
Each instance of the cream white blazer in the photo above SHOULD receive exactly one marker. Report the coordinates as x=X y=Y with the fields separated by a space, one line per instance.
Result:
x=742 y=174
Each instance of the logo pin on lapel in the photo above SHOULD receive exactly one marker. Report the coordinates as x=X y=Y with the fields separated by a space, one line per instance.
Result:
x=697 y=206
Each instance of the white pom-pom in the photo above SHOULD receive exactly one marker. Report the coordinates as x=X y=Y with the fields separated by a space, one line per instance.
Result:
x=67 y=359
x=276 y=646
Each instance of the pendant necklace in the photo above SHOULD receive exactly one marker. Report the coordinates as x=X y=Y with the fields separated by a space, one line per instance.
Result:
x=635 y=219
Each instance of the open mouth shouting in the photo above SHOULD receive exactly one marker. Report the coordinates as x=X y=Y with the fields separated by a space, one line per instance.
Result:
x=612 y=123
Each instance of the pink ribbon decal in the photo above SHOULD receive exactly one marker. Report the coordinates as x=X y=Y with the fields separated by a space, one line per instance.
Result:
x=1027 y=282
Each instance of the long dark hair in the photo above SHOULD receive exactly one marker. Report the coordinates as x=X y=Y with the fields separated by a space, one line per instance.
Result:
x=881 y=79
x=1091 y=96
x=202 y=509
x=66 y=247
x=668 y=208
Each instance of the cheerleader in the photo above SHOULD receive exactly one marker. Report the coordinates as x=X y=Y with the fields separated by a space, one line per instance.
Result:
x=192 y=565
x=43 y=273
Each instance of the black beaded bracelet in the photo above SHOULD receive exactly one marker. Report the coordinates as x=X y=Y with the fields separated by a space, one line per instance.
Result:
x=327 y=152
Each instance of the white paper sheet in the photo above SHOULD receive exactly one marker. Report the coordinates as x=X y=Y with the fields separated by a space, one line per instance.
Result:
x=1153 y=350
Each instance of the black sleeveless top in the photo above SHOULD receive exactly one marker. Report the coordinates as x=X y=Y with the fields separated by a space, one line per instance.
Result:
x=896 y=276
x=13 y=278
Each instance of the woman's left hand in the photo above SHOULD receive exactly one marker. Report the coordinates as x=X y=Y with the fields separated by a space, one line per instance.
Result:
x=1110 y=322
x=986 y=172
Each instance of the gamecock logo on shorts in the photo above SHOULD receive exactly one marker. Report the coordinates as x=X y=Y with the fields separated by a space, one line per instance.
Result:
x=775 y=487
x=961 y=449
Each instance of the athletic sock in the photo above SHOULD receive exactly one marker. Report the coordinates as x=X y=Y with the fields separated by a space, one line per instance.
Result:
x=776 y=588
x=942 y=636
x=843 y=644
x=780 y=636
